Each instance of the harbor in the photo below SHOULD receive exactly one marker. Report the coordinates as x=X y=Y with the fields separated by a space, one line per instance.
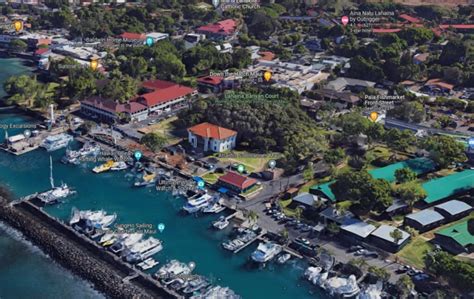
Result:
x=185 y=238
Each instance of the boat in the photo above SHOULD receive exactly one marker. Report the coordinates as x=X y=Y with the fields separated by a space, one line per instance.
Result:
x=312 y=274
x=148 y=179
x=283 y=258
x=173 y=269
x=147 y=264
x=221 y=223
x=55 y=193
x=196 y=284
x=266 y=252
x=215 y=208
x=143 y=250
x=217 y=292
x=55 y=142
x=119 y=166
x=103 y=167
x=88 y=214
x=73 y=157
x=342 y=287
x=196 y=204
x=108 y=239
x=372 y=291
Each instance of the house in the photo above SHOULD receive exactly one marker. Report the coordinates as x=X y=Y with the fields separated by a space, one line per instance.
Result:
x=332 y=215
x=424 y=220
x=308 y=200
x=344 y=84
x=356 y=230
x=236 y=182
x=342 y=100
x=157 y=36
x=209 y=137
x=382 y=237
x=222 y=30
x=212 y=84
x=446 y=187
x=132 y=37
x=42 y=53
x=453 y=209
x=314 y=45
x=420 y=58
x=192 y=39
x=456 y=238
x=437 y=86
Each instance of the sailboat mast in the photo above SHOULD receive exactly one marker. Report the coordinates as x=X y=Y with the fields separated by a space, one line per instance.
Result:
x=51 y=172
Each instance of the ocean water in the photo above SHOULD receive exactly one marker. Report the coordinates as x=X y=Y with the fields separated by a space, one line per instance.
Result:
x=186 y=238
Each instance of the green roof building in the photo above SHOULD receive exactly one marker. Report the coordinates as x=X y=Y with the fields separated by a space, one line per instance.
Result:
x=418 y=165
x=456 y=238
x=448 y=186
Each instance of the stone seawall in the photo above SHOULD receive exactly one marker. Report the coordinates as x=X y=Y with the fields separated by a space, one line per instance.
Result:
x=77 y=254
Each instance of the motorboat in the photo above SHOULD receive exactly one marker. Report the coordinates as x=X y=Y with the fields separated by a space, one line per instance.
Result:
x=342 y=287
x=372 y=291
x=88 y=214
x=283 y=258
x=143 y=250
x=221 y=223
x=217 y=292
x=147 y=264
x=121 y=165
x=103 y=167
x=265 y=252
x=73 y=157
x=196 y=204
x=173 y=269
x=148 y=179
x=196 y=284
x=214 y=208
x=312 y=274
x=55 y=142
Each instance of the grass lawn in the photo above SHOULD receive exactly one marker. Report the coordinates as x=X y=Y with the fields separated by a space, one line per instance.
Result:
x=252 y=162
x=415 y=251
x=211 y=177
x=164 y=128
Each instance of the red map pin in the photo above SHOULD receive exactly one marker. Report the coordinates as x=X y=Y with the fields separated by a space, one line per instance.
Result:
x=345 y=20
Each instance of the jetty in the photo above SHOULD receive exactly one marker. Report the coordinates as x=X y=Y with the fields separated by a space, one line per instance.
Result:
x=258 y=237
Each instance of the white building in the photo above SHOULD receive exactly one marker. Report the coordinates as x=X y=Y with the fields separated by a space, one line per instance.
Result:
x=209 y=137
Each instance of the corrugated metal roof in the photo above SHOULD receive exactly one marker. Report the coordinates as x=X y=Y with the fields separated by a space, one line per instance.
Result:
x=384 y=231
x=454 y=207
x=425 y=217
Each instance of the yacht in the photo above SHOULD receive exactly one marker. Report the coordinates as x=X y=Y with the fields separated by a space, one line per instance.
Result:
x=196 y=284
x=196 y=204
x=55 y=193
x=266 y=252
x=88 y=214
x=342 y=287
x=221 y=223
x=103 y=167
x=55 y=142
x=147 y=264
x=217 y=292
x=283 y=258
x=173 y=269
x=119 y=166
x=214 y=208
x=148 y=179
x=73 y=157
x=143 y=250
x=312 y=274
x=126 y=241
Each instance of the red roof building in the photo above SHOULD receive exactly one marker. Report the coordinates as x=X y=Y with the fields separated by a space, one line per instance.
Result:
x=162 y=93
x=210 y=137
x=41 y=51
x=212 y=84
x=236 y=181
x=457 y=26
x=267 y=55
x=410 y=19
x=110 y=110
x=386 y=30
x=220 y=30
x=132 y=36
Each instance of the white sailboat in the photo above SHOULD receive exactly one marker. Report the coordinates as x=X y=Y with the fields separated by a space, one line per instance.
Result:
x=55 y=193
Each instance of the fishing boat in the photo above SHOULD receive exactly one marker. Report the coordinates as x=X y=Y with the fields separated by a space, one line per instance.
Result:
x=342 y=287
x=265 y=252
x=214 y=208
x=148 y=179
x=73 y=157
x=103 y=167
x=196 y=284
x=143 y=250
x=173 y=269
x=55 y=142
x=283 y=258
x=196 y=204
x=55 y=194
x=119 y=166
x=148 y=264
x=221 y=223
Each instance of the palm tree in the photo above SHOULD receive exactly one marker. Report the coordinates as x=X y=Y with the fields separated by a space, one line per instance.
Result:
x=252 y=216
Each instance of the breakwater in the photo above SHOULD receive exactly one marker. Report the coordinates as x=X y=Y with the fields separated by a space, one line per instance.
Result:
x=73 y=252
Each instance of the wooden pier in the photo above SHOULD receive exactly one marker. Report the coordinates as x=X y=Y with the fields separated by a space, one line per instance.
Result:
x=259 y=237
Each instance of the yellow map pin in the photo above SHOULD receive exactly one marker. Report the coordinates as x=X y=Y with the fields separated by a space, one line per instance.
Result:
x=94 y=64
x=374 y=116
x=18 y=25
x=267 y=76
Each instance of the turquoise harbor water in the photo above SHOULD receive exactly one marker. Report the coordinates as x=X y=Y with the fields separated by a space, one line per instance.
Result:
x=186 y=238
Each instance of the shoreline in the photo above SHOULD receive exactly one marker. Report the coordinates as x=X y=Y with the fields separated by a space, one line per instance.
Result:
x=75 y=256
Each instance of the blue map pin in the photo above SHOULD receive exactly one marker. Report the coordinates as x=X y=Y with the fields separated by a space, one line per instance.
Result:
x=272 y=164
x=201 y=184
x=149 y=41
x=137 y=155
x=471 y=142
x=161 y=227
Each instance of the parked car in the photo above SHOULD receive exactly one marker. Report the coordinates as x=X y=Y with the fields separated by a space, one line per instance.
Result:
x=355 y=248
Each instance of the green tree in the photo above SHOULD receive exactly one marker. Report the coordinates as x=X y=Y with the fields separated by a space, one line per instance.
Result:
x=308 y=172
x=405 y=286
x=18 y=45
x=380 y=273
x=120 y=89
x=405 y=174
x=334 y=156
x=411 y=193
x=396 y=235
x=154 y=141
x=333 y=228
x=444 y=150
